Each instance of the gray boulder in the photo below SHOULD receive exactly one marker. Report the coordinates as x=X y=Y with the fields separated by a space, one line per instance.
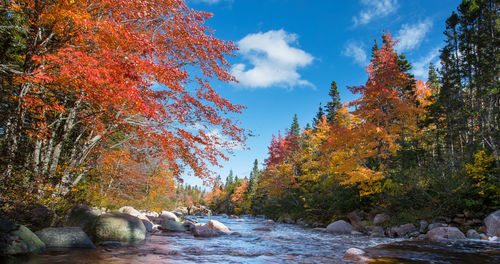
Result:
x=340 y=227
x=423 y=226
x=473 y=234
x=81 y=216
x=444 y=233
x=64 y=237
x=169 y=216
x=380 y=219
x=119 y=227
x=133 y=212
x=355 y=219
x=356 y=254
x=211 y=229
x=492 y=223
x=173 y=226
x=402 y=230
x=20 y=241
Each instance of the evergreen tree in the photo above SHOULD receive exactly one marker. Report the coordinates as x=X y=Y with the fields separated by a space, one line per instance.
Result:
x=294 y=128
x=319 y=116
x=333 y=106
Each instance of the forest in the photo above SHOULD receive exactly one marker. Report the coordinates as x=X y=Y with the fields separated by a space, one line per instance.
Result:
x=110 y=102
x=410 y=148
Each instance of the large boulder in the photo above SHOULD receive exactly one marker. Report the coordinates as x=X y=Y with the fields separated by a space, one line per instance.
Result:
x=181 y=211
x=356 y=254
x=119 y=227
x=81 y=216
x=340 y=227
x=169 y=216
x=35 y=217
x=492 y=223
x=444 y=233
x=355 y=219
x=132 y=211
x=19 y=240
x=402 y=230
x=64 y=237
x=380 y=219
x=473 y=234
x=211 y=229
x=173 y=226
x=199 y=210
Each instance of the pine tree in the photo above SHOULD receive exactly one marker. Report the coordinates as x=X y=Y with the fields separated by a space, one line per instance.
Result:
x=294 y=128
x=319 y=116
x=333 y=106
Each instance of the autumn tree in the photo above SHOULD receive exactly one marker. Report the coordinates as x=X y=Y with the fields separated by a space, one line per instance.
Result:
x=96 y=75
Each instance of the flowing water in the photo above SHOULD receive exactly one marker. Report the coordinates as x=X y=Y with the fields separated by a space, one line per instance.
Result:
x=283 y=244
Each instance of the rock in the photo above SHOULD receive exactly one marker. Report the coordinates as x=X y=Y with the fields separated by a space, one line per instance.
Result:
x=260 y=216
x=483 y=237
x=133 y=212
x=64 y=237
x=20 y=241
x=224 y=215
x=288 y=220
x=233 y=216
x=374 y=235
x=181 y=211
x=189 y=226
x=402 y=230
x=81 y=216
x=240 y=220
x=119 y=227
x=340 y=227
x=443 y=233
x=356 y=233
x=264 y=228
x=355 y=220
x=423 y=226
x=235 y=234
x=356 y=254
x=492 y=223
x=210 y=229
x=472 y=234
x=173 y=226
x=35 y=217
x=201 y=210
x=169 y=216
x=380 y=219
x=436 y=225
x=110 y=244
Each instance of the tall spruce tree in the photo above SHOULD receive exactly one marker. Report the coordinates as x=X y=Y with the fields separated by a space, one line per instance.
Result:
x=334 y=105
x=294 y=128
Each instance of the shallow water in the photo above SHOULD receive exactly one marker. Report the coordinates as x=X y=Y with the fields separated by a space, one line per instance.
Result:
x=283 y=244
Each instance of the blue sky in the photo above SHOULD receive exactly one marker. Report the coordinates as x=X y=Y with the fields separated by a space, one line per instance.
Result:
x=290 y=51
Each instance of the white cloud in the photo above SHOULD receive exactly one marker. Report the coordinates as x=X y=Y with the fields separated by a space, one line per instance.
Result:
x=374 y=9
x=410 y=36
x=274 y=61
x=421 y=67
x=356 y=51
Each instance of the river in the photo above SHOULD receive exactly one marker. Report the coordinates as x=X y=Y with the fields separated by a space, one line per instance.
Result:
x=285 y=243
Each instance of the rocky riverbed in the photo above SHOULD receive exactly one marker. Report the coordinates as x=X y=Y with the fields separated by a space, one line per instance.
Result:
x=257 y=240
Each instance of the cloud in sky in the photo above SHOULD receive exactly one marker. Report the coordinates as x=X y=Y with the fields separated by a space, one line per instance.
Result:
x=356 y=51
x=275 y=62
x=374 y=9
x=410 y=36
x=421 y=67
